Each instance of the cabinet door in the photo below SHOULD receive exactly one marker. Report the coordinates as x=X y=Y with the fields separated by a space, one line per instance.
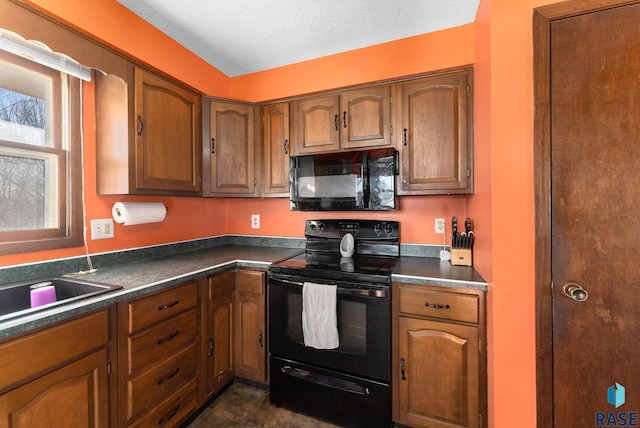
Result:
x=276 y=149
x=435 y=141
x=218 y=338
x=365 y=117
x=167 y=135
x=75 y=395
x=436 y=375
x=250 y=326
x=229 y=153
x=317 y=125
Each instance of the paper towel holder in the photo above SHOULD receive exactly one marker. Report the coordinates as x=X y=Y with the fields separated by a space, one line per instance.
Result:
x=166 y=208
x=134 y=213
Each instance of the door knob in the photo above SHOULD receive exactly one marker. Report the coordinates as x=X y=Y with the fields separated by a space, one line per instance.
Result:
x=575 y=292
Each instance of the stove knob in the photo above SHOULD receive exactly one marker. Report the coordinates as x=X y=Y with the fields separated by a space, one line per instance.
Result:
x=312 y=226
x=388 y=228
x=377 y=228
x=321 y=227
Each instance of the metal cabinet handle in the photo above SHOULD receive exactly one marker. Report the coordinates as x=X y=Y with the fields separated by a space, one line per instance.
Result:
x=210 y=348
x=344 y=119
x=169 y=415
x=402 y=369
x=170 y=305
x=213 y=146
x=169 y=376
x=168 y=338
x=140 y=125
x=285 y=147
x=404 y=137
x=260 y=339
x=575 y=291
x=436 y=306
x=335 y=121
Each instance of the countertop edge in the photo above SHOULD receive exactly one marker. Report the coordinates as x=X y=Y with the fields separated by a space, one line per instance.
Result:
x=30 y=322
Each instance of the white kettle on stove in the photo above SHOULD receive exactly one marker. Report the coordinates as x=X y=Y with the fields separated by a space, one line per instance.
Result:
x=347 y=245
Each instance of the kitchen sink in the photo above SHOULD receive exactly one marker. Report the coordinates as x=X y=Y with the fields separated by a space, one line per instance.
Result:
x=16 y=299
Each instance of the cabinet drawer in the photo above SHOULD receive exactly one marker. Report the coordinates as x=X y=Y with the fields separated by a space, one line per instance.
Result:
x=249 y=281
x=439 y=304
x=174 y=409
x=151 y=309
x=162 y=340
x=161 y=380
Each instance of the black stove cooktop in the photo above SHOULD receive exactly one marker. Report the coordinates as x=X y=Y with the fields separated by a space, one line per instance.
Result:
x=376 y=250
x=334 y=267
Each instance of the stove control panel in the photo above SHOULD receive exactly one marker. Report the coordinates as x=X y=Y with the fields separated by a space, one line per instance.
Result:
x=360 y=229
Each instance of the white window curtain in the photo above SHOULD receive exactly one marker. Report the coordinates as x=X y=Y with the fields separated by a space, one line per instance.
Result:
x=40 y=53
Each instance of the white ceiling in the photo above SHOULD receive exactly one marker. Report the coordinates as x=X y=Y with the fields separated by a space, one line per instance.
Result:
x=243 y=36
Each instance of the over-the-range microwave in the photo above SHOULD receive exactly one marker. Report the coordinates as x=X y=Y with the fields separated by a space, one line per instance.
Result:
x=346 y=181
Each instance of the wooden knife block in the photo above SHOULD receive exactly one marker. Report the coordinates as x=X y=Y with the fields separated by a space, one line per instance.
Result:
x=461 y=257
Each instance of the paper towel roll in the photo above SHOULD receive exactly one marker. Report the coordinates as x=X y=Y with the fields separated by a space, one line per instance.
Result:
x=130 y=213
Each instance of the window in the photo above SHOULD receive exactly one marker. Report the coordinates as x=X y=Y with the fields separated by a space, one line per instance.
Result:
x=40 y=157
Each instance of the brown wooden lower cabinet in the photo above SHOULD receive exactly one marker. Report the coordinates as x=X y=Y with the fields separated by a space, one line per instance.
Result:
x=175 y=349
x=158 y=356
x=216 y=353
x=59 y=376
x=234 y=340
x=250 y=322
x=439 y=363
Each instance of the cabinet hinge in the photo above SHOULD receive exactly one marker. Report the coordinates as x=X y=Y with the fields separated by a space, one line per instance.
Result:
x=479 y=345
x=109 y=367
x=468 y=172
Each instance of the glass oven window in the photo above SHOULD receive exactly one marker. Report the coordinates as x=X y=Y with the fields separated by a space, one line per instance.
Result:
x=352 y=324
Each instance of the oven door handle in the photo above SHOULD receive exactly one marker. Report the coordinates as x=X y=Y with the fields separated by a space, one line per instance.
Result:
x=359 y=292
x=320 y=379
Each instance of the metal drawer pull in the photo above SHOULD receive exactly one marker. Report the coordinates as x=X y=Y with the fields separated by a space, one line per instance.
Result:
x=167 y=377
x=436 y=306
x=402 y=368
x=140 y=125
x=320 y=379
x=169 y=416
x=260 y=339
x=170 y=305
x=168 y=338
x=344 y=118
x=335 y=121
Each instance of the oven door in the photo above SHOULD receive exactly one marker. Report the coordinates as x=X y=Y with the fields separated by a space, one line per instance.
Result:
x=363 y=315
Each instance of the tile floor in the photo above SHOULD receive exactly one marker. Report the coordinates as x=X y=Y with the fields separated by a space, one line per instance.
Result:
x=245 y=406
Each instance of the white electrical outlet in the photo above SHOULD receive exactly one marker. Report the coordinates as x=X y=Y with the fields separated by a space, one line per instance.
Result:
x=102 y=228
x=440 y=225
x=255 y=221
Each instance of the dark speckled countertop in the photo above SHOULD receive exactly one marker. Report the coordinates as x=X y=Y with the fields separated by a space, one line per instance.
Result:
x=143 y=276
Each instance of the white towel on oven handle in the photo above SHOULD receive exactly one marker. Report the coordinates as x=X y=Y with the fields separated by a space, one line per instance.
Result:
x=319 y=318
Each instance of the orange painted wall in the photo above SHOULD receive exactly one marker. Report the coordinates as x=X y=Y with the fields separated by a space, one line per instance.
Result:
x=499 y=45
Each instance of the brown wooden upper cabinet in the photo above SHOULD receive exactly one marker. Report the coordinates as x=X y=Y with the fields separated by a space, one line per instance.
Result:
x=229 y=149
x=276 y=149
x=353 y=119
x=436 y=134
x=148 y=136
